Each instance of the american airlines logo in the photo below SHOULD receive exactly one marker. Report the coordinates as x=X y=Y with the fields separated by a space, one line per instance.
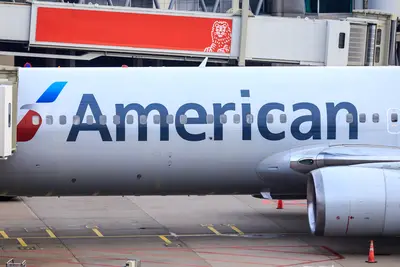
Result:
x=89 y=101
x=26 y=130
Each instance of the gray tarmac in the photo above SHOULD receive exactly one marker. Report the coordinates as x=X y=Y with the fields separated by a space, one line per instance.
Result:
x=196 y=231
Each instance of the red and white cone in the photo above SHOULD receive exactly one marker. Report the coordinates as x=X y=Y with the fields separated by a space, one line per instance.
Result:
x=371 y=255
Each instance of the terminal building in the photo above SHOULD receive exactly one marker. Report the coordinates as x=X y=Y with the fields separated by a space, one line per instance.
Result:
x=76 y=33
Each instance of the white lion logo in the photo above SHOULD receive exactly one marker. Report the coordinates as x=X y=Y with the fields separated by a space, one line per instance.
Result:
x=221 y=38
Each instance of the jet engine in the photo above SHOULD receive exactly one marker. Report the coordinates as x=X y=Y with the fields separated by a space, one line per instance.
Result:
x=361 y=200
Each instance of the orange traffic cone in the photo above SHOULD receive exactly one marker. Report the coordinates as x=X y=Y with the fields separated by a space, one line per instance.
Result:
x=371 y=256
x=280 y=205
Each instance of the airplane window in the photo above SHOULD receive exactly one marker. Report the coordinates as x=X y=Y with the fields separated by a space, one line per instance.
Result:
x=349 y=118
x=129 y=119
x=89 y=119
x=394 y=117
x=236 y=118
x=210 y=118
x=116 y=119
x=49 y=119
x=223 y=118
x=283 y=118
x=170 y=119
x=375 y=117
x=270 y=118
x=183 y=119
x=76 y=120
x=143 y=119
x=363 y=118
x=103 y=119
x=35 y=120
x=249 y=118
x=156 y=119
x=63 y=119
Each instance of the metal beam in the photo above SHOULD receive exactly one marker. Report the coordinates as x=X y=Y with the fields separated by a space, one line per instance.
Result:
x=156 y=4
x=171 y=4
x=216 y=4
x=392 y=42
x=203 y=5
x=259 y=5
x=243 y=32
x=93 y=55
x=235 y=6
x=88 y=56
x=167 y=57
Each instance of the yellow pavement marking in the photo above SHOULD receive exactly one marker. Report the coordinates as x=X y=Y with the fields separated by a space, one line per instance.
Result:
x=97 y=232
x=51 y=234
x=236 y=229
x=22 y=242
x=3 y=234
x=166 y=240
x=212 y=229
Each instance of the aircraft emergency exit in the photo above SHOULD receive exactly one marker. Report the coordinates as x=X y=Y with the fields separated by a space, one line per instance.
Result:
x=328 y=134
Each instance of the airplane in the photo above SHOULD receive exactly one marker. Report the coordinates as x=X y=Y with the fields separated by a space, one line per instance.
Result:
x=326 y=134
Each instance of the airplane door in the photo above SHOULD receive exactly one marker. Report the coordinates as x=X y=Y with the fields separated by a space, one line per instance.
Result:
x=393 y=124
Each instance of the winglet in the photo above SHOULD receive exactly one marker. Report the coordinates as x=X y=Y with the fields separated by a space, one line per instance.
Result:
x=203 y=63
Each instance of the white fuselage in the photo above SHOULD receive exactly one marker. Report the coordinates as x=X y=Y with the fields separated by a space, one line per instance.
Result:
x=195 y=154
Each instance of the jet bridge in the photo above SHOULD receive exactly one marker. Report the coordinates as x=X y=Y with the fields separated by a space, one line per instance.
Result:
x=8 y=110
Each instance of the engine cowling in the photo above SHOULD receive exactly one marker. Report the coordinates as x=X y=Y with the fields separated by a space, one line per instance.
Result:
x=354 y=201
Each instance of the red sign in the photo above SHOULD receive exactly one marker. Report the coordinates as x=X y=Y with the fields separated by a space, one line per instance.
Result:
x=133 y=30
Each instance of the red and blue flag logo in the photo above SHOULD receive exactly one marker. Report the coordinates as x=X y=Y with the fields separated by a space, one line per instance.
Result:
x=26 y=129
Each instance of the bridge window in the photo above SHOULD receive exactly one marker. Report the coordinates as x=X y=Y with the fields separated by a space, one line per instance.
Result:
x=129 y=119
x=363 y=117
x=394 y=117
x=103 y=119
x=270 y=118
x=283 y=118
x=236 y=118
x=170 y=119
x=210 y=118
x=76 y=120
x=375 y=117
x=342 y=40
x=143 y=119
x=378 y=37
x=377 y=54
x=63 y=119
x=116 y=119
x=35 y=120
x=89 y=119
x=223 y=119
x=156 y=119
x=249 y=118
x=349 y=118
x=49 y=119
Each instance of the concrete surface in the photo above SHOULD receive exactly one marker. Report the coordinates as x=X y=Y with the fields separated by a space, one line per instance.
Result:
x=204 y=231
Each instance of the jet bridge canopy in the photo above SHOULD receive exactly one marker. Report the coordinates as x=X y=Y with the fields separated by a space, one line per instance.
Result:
x=8 y=110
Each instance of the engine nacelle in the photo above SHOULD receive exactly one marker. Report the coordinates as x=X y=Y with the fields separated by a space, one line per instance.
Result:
x=354 y=201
